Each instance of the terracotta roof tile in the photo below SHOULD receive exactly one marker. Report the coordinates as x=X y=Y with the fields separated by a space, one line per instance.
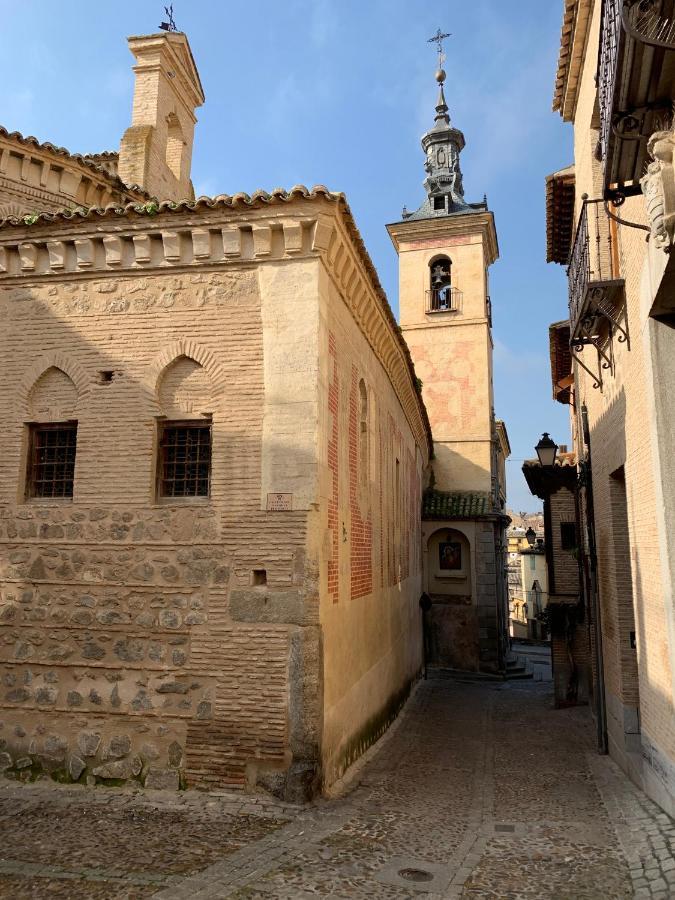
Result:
x=85 y=159
x=454 y=504
x=576 y=19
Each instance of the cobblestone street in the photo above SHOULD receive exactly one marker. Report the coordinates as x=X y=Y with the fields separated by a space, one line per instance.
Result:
x=480 y=790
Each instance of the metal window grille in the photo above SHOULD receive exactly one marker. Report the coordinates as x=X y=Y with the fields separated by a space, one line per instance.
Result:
x=184 y=459
x=51 y=461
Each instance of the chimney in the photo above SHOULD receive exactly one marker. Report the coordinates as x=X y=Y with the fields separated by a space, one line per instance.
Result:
x=562 y=448
x=156 y=151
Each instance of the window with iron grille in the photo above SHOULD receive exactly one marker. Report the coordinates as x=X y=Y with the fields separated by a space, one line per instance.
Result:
x=184 y=466
x=568 y=535
x=51 y=460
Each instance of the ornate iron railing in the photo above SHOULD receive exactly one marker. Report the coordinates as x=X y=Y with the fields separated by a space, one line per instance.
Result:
x=592 y=256
x=607 y=68
x=645 y=21
x=443 y=299
x=596 y=292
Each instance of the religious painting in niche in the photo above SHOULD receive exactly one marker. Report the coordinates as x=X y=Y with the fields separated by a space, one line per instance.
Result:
x=450 y=556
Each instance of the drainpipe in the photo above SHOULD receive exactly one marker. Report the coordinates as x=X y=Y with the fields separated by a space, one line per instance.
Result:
x=594 y=602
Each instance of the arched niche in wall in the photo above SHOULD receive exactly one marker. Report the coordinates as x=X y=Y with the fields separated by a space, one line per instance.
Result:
x=185 y=390
x=53 y=397
x=449 y=564
x=175 y=145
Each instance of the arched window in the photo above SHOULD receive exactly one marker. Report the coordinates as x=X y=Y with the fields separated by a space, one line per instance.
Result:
x=363 y=432
x=440 y=284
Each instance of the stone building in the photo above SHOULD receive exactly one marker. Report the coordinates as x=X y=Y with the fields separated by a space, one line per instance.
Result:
x=445 y=250
x=610 y=221
x=214 y=454
x=528 y=602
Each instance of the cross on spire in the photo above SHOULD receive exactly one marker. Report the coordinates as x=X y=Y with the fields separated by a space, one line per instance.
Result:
x=438 y=39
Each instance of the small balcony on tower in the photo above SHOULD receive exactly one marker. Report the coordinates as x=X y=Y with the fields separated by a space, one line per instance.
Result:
x=597 y=297
x=636 y=87
x=443 y=299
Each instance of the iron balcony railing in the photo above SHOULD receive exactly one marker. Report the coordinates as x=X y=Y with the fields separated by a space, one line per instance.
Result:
x=597 y=299
x=607 y=68
x=635 y=90
x=592 y=259
x=443 y=299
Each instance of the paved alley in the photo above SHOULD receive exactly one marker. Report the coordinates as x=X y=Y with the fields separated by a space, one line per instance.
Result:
x=480 y=790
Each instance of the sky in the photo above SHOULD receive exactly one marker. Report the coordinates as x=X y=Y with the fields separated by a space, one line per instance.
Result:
x=339 y=92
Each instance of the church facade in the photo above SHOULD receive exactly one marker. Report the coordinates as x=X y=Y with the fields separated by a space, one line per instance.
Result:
x=215 y=452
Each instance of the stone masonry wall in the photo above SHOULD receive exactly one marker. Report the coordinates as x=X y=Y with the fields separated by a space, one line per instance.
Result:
x=128 y=647
x=179 y=641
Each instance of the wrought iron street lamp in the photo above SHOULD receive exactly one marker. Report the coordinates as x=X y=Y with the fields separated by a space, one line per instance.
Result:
x=546 y=450
x=531 y=536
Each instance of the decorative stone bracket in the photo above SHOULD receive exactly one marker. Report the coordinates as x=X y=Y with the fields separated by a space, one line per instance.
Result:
x=658 y=187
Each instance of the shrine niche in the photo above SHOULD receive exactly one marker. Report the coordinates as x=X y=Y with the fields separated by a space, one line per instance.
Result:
x=449 y=564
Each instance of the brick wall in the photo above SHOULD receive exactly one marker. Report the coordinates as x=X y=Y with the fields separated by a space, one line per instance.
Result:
x=620 y=417
x=565 y=565
x=115 y=609
x=371 y=582
x=571 y=661
x=361 y=540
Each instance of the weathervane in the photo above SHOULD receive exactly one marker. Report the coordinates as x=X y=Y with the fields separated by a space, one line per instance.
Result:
x=438 y=39
x=171 y=25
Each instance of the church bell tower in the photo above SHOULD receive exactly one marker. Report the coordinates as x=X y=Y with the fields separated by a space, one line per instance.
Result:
x=445 y=249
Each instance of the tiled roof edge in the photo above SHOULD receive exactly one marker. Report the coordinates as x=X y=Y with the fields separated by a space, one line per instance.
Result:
x=86 y=159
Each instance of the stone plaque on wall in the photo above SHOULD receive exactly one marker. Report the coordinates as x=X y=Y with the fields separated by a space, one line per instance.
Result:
x=279 y=502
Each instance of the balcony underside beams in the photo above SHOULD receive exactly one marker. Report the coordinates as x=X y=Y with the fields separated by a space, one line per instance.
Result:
x=600 y=318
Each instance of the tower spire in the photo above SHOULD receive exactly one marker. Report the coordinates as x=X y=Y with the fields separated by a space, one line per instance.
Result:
x=441 y=105
x=442 y=145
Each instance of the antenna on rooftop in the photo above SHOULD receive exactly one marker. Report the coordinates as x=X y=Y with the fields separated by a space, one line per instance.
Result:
x=170 y=25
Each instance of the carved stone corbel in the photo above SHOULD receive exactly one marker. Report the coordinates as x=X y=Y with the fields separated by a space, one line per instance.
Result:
x=658 y=187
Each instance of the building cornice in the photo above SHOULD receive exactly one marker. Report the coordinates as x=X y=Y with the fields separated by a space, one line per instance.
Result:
x=573 y=38
x=503 y=437
x=458 y=225
x=218 y=233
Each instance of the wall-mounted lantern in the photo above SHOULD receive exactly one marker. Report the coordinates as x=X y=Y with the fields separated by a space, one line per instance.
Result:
x=546 y=450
